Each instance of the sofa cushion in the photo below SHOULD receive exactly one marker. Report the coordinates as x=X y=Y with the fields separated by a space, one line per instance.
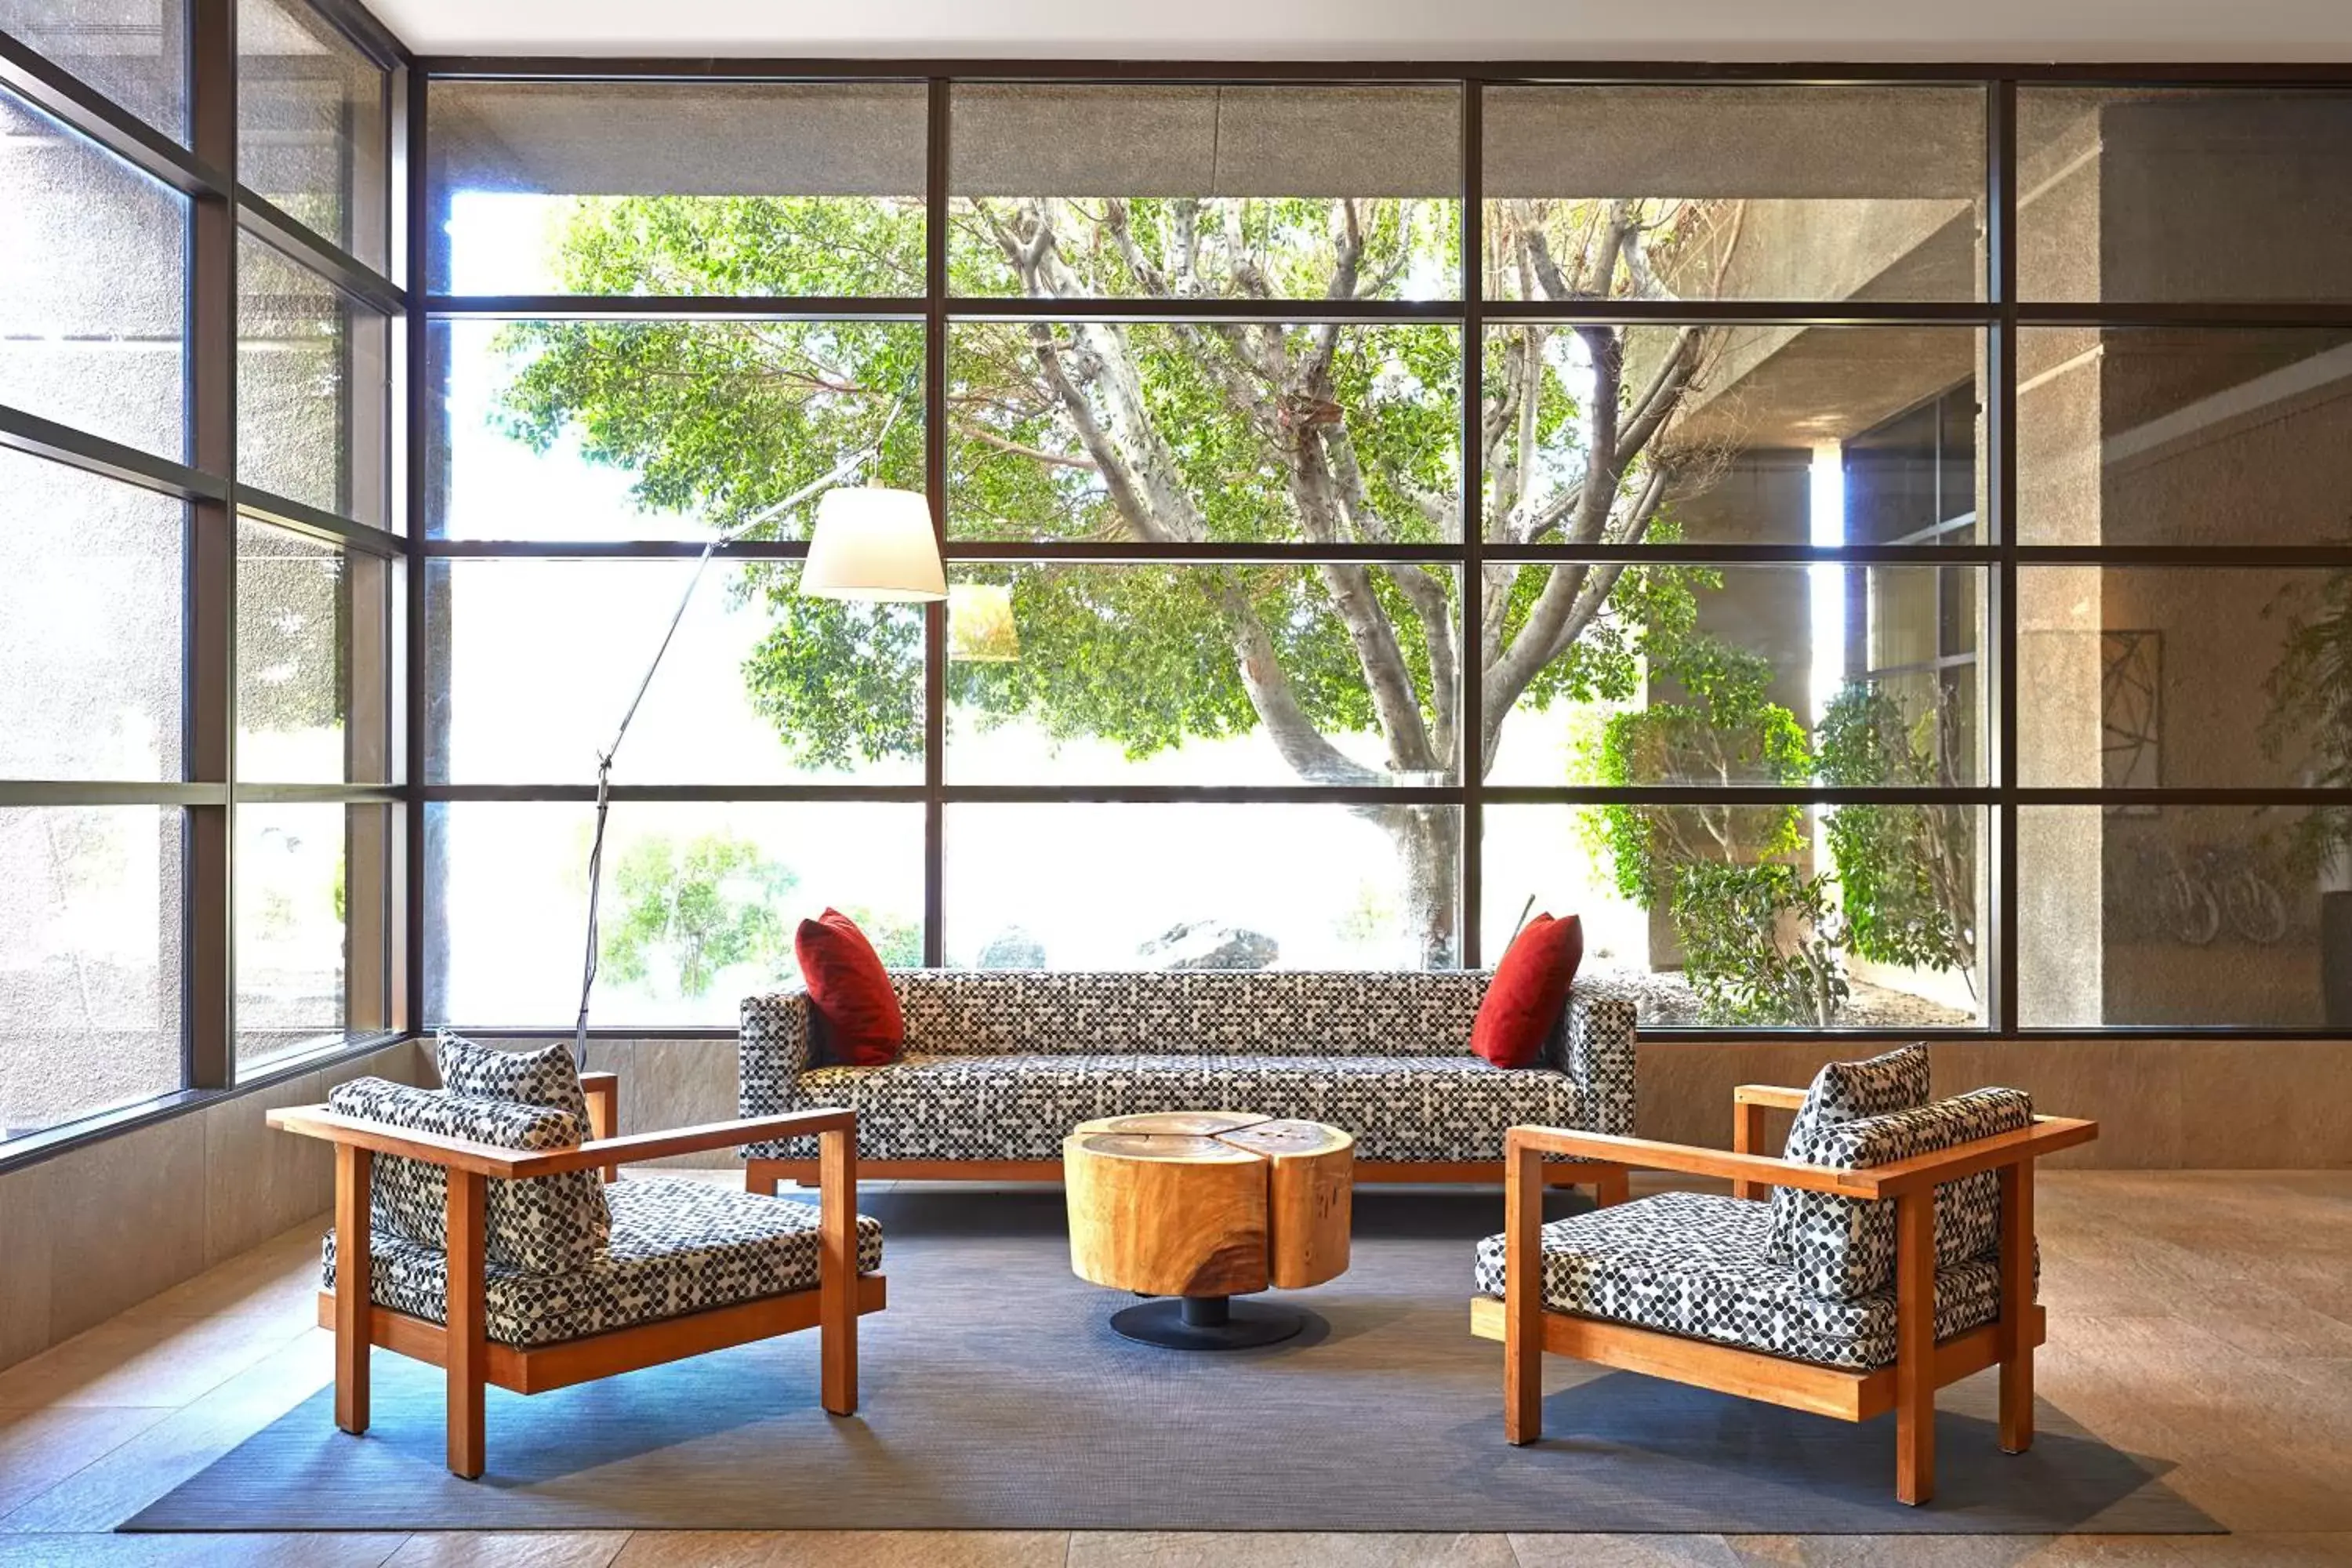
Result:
x=850 y=991
x=1841 y=1091
x=1698 y=1264
x=1523 y=1003
x=542 y=1224
x=958 y=1107
x=1846 y=1246
x=678 y=1247
x=546 y=1077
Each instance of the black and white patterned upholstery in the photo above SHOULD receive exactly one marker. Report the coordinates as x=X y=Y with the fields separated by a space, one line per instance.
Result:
x=1001 y=1064
x=676 y=1247
x=547 y=1076
x=543 y=1225
x=1841 y=1092
x=1844 y=1247
x=1699 y=1265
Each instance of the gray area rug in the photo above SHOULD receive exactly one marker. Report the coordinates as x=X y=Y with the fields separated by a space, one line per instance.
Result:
x=996 y=1397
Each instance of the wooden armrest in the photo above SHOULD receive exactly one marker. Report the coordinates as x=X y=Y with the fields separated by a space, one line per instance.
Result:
x=489 y=1160
x=2046 y=1136
x=1769 y=1095
x=1649 y=1155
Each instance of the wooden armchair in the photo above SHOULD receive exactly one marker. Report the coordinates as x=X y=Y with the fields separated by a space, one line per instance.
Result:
x=1763 y=1329
x=761 y=1266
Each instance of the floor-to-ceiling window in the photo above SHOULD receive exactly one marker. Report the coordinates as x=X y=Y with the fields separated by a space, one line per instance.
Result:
x=197 y=550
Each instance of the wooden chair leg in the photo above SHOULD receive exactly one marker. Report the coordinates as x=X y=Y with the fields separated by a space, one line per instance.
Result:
x=1523 y=1192
x=604 y=1114
x=1748 y=1138
x=837 y=1270
x=353 y=1169
x=2016 y=1308
x=467 y=1356
x=759 y=1176
x=1610 y=1185
x=1914 y=1346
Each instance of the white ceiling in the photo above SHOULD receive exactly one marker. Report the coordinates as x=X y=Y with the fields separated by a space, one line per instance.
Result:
x=1392 y=29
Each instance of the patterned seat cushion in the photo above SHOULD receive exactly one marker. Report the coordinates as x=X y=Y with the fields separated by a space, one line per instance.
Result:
x=1846 y=1246
x=1698 y=1265
x=548 y=1077
x=678 y=1247
x=543 y=1225
x=1841 y=1092
x=930 y=1106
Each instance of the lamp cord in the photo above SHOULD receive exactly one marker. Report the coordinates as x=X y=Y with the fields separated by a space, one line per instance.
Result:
x=839 y=472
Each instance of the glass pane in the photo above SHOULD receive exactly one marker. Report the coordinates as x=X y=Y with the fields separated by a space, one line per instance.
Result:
x=311 y=131
x=91 y=576
x=1290 y=434
x=1201 y=886
x=1735 y=191
x=311 y=927
x=1206 y=193
x=313 y=412
x=2183 y=677
x=700 y=902
x=532 y=664
x=671 y=188
x=1856 y=676
x=1733 y=435
x=133 y=51
x=91 y=914
x=1852 y=917
x=93 y=278
x=1202 y=675
x=312 y=661
x=2185 y=915
x=626 y=430
x=2170 y=194
x=2137 y=436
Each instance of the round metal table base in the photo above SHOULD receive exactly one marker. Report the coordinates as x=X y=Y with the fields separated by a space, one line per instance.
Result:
x=1207 y=1323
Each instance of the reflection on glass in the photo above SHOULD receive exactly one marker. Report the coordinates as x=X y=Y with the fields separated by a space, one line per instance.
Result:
x=630 y=430
x=2156 y=194
x=532 y=662
x=312 y=648
x=90 y=911
x=91 y=626
x=700 y=902
x=93 y=283
x=310 y=932
x=313 y=419
x=795 y=188
x=311 y=131
x=1734 y=191
x=1210 y=674
x=2182 y=915
x=1201 y=886
x=1172 y=191
x=136 y=54
x=1846 y=917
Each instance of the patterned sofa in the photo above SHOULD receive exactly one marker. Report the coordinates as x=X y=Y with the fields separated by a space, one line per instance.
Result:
x=1001 y=1064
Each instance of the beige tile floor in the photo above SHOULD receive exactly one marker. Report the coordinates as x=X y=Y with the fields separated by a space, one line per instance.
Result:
x=2205 y=1317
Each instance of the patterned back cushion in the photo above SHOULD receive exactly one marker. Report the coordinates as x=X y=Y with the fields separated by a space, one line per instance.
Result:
x=545 y=1225
x=1843 y=1091
x=1845 y=1247
x=548 y=1077
x=1271 y=1012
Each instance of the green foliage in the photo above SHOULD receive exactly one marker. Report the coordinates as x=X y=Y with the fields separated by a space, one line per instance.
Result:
x=1759 y=944
x=698 y=908
x=2310 y=716
x=1906 y=874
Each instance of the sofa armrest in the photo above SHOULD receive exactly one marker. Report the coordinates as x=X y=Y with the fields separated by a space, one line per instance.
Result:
x=773 y=1048
x=1600 y=1050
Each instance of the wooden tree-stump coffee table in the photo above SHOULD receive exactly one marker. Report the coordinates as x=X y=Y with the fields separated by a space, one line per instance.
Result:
x=1199 y=1206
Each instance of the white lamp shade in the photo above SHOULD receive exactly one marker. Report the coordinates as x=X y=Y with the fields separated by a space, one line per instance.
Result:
x=872 y=543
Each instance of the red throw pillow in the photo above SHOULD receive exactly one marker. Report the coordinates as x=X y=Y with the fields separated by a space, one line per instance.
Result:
x=850 y=991
x=1530 y=986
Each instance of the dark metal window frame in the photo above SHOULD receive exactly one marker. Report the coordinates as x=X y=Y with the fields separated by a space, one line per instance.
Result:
x=206 y=170
x=221 y=210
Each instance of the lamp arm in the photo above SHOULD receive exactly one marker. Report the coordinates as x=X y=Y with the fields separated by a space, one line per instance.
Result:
x=838 y=472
